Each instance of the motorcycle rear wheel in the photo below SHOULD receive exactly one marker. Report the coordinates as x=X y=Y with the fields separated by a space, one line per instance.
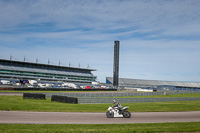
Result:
x=109 y=115
x=126 y=114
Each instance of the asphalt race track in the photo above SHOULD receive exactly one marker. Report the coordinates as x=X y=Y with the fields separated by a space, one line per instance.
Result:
x=22 y=117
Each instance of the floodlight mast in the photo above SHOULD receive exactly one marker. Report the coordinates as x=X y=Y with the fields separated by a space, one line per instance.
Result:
x=116 y=65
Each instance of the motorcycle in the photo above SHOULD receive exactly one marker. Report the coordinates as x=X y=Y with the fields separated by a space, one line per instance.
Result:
x=115 y=112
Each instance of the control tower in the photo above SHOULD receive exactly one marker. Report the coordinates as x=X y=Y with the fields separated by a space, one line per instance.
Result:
x=116 y=65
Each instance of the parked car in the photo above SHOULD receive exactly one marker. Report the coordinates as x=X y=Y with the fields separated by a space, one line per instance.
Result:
x=88 y=87
x=28 y=85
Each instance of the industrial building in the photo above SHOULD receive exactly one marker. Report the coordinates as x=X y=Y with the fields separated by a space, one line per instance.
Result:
x=154 y=84
x=19 y=70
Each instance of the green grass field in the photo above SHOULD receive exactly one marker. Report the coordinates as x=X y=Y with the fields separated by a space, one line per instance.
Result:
x=154 y=96
x=17 y=103
x=101 y=128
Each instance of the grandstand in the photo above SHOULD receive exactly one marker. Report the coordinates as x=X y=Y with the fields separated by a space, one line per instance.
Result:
x=19 y=70
x=139 y=83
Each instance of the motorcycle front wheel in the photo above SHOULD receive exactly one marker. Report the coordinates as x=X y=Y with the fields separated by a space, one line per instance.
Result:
x=109 y=115
x=126 y=114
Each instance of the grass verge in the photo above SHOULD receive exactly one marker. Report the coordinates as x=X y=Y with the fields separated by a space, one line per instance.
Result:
x=101 y=128
x=153 y=96
x=17 y=103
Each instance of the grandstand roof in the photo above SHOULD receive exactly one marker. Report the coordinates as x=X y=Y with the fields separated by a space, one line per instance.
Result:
x=46 y=65
x=10 y=69
x=142 y=82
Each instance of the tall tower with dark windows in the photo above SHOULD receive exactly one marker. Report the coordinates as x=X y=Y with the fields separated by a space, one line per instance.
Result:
x=116 y=65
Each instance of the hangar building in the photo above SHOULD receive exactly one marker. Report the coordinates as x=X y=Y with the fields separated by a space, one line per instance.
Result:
x=140 y=83
x=20 y=70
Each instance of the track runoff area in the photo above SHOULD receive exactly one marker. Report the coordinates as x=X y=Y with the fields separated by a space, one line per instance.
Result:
x=28 y=117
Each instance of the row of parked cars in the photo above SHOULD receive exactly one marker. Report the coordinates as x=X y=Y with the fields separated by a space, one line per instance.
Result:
x=7 y=82
x=50 y=85
x=39 y=84
x=67 y=86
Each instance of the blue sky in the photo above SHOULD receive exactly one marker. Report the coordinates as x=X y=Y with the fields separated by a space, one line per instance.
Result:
x=159 y=39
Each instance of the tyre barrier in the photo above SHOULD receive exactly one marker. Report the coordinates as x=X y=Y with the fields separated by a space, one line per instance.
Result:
x=64 y=99
x=34 y=96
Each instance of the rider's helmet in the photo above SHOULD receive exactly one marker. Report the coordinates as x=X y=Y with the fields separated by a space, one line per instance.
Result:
x=114 y=101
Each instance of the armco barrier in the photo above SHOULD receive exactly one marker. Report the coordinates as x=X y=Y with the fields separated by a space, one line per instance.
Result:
x=34 y=96
x=108 y=97
x=64 y=99
x=115 y=94
x=135 y=100
x=118 y=94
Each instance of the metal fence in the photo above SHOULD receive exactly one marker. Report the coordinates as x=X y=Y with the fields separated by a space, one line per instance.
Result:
x=134 y=100
x=118 y=94
x=86 y=95
x=108 y=97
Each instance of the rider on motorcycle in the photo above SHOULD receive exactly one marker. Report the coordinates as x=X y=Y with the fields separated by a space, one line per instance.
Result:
x=117 y=111
x=117 y=105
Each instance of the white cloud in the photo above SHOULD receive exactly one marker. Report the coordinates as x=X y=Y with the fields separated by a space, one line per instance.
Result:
x=159 y=39
x=149 y=15
x=160 y=59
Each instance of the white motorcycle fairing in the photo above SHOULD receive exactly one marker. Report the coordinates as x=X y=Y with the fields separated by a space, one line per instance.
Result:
x=115 y=111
